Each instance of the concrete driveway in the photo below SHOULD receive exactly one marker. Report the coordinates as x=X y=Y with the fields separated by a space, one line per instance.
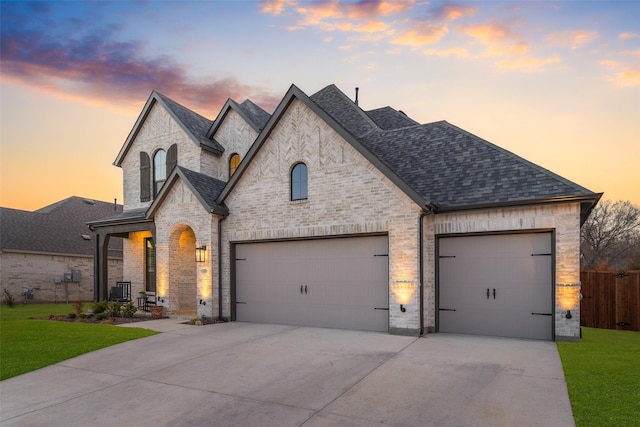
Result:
x=242 y=374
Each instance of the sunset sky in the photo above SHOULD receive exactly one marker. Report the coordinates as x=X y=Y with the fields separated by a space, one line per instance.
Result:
x=557 y=83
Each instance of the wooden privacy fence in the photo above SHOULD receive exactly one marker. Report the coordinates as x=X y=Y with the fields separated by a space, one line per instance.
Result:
x=610 y=300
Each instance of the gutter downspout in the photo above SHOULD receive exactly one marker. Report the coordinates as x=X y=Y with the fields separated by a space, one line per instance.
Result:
x=429 y=209
x=421 y=244
x=220 y=269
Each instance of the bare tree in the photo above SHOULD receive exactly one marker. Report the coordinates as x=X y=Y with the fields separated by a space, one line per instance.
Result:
x=611 y=236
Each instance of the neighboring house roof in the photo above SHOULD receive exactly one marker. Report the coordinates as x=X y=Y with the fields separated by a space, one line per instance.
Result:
x=194 y=125
x=59 y=228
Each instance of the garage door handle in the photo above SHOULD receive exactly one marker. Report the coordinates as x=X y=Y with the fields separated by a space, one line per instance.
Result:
x=494 y=293
x=541 y=314
x=487 y=293
x=305 y=289
x=447 y=309
x=300 y=289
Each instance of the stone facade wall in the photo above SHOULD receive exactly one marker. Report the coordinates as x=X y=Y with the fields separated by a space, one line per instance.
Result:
x=30 y=270
x=180 y=212
x=564 y=219
x=134 y=261
x=346 y=195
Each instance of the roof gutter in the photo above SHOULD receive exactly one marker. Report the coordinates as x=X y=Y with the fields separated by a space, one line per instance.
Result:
x=593 y=198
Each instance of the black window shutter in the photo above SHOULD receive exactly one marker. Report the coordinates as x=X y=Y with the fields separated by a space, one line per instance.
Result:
x=145 y=177
x=172 y=158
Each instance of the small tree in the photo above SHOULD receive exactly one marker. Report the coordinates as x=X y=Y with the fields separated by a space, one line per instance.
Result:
x=611 y=236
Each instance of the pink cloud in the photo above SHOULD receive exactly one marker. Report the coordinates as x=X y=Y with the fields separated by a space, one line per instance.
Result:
x=572 y=39
x=96 y=68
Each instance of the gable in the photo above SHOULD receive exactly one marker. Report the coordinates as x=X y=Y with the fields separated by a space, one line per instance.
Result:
x=294 y=94
x=192 y=125
x=236 y=135
x=343 y=187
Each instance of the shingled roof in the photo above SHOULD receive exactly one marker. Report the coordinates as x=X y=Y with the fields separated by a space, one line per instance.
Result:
x=60 y=228
x=449 y=167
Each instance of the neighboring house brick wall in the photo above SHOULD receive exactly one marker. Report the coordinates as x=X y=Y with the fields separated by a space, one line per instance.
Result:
x=159 y=131
x=563 y=218
x=34 y=270
x=347 y=195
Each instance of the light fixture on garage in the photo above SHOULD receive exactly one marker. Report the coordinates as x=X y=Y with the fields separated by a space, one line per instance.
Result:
x=201 y=253
x=403 y=308
x=203 y=302
x=568 y=315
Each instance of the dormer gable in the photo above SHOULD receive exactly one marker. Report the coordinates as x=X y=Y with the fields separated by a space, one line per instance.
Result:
x=255 y=116
x=194 y=125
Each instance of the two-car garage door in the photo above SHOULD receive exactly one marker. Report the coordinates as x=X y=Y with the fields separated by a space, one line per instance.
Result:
x=333 y=283
x=498 y=285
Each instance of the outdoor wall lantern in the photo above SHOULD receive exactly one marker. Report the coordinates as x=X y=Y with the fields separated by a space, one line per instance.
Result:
x=203 y=302
x=403 y=308
x=568 y=315
x=201 y=253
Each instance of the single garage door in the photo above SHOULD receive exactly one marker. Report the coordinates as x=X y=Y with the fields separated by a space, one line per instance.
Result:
x=330 y=283
x=498 y=285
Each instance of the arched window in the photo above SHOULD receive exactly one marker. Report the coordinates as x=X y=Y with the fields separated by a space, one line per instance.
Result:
x=159 y=170
x=299 y=182
x=234 y=162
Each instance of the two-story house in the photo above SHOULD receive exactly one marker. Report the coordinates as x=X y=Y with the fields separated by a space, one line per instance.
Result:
x=323 y=214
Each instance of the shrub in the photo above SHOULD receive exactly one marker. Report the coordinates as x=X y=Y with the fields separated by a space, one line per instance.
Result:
x=129 y=309
x=8 y=298
x=113 y=309
x=101 y=316
x=77 y=307
x=99 y=307
x=71 y=316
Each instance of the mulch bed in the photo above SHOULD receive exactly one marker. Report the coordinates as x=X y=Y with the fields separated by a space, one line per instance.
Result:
x=123 y=320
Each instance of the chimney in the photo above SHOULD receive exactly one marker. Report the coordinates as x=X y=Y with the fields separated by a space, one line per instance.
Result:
x=357 y=89
x=115 y=204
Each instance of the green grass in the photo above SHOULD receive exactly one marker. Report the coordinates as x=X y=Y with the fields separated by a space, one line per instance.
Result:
x=603 y=377
x=27 y=344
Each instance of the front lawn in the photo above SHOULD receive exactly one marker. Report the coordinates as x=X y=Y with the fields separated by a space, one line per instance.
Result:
x=27 y=344
x=603 y=377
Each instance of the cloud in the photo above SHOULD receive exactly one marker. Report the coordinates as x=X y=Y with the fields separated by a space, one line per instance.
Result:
x=492 y=33
x=572 y=39
x=275 y=7
x=452 y=12
x=362 y=16
x=628 y=35
x=460 y=52
x=527 y=63
x=623 y=75
x=97 y=68
x=421 y=35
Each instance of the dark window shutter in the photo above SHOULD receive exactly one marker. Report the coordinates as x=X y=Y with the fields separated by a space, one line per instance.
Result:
x=145 y=177
x=172 y=158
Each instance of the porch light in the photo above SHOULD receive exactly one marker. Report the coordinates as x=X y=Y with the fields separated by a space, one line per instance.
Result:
x=201 y=253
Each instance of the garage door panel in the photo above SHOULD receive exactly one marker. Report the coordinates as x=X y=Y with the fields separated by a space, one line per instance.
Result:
x=342 y=282
x=515 y=270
